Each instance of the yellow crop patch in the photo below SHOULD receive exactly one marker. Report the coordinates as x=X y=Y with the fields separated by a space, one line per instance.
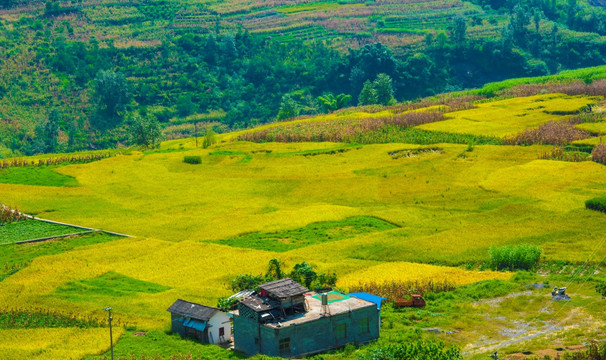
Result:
x=405 y=271
x=508 y=117
x=54 y=343
x=597 y=127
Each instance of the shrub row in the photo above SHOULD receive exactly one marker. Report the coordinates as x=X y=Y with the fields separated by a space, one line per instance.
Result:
x=520 y=257
x=192 y=159
x=552 y=133
x=37 y=318
x=341 y=130
x=597 y=204
x=8 y=214
x=413 y=350
x=78 y=159
x=401 y=289
x=598 y=154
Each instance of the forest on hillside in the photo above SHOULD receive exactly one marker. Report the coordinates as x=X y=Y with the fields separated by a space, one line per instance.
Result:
x=65 y=85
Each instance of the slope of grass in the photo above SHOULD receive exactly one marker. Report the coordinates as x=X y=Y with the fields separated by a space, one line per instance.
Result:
x=592 y=73
x=311 y=234
x=110 y=284
x=42 y=176
x=158 y=343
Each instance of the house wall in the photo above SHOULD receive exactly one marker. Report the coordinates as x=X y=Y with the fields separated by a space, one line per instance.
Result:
x=219 y=320
x=177 y=324
x=312 y=337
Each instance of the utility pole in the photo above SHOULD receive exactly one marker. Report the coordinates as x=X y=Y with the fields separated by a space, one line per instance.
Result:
x=111 y=341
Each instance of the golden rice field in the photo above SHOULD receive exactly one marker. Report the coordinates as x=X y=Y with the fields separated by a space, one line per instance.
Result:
x=61 y=343
x=511 y=116
x=405 y=271
x=450 y=206
x=201 y=279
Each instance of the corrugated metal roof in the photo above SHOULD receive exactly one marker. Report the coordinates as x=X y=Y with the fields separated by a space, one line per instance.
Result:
x=242 y=294
x=369 y=297
x=193 y=310
x=284 y=288
x=200 y=326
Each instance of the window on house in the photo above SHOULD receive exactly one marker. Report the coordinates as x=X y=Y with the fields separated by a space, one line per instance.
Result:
x=221 y=331
x=363 y=327
x=284 y=346
x=341 y=331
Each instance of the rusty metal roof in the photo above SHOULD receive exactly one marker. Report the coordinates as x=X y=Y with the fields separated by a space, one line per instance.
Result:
x=284 y=288
x=193 y=310
x=259 y=304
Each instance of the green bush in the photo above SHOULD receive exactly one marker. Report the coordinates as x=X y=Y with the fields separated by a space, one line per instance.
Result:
x=600 y=287
x=413 y=350
x=521 y=257
x=192 y=159
x=597 y=204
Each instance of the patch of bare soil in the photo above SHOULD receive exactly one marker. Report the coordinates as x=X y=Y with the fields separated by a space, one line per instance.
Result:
x=554 y=352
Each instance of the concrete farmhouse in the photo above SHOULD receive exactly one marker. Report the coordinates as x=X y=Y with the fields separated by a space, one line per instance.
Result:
x=286 y=319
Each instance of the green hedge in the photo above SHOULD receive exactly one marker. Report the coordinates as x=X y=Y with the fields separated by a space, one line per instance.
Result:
x=597 y=204
x=521 y=257
x=192 y=159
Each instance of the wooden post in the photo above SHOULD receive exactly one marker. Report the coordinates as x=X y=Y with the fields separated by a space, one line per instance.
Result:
x=196 y=133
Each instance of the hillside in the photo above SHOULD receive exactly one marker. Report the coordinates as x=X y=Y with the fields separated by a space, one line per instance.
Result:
x=410 y=197
x=82 y=75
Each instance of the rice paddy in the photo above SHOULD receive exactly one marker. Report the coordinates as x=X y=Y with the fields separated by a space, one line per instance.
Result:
x=510 y=116
x=371 y=213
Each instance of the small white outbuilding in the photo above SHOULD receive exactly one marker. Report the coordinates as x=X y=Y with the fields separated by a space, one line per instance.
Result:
x=200 y=322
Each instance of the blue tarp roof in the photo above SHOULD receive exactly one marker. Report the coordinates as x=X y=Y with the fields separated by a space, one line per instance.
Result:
x=369 y=297
x=200 y=326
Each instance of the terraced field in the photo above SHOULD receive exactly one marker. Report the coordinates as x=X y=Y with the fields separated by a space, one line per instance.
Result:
x=372 y=213
x=344 y=24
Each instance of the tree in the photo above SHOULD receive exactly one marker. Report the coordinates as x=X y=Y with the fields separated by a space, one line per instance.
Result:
x=185 y=106
x=145 y=130
x=571 y=12
x=5 y=4
x=600 y=287
x=519 y=20
x=304 y=274
x=288 y=108
x=368 y=95
x=536 y=18
x=51 y=130
x=384 y=89
x=209 y=137
x=111 y=95
x=371 y=60
x=247 y=282
x=273 y=270
x=330 y=103
x=459 y=28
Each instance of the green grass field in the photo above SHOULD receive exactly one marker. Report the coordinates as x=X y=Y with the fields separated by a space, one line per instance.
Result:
x=32 y=229
x=42 y=176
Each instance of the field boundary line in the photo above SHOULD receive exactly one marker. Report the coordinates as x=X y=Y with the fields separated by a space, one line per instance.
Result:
x=89 y=230
x=49 y=238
